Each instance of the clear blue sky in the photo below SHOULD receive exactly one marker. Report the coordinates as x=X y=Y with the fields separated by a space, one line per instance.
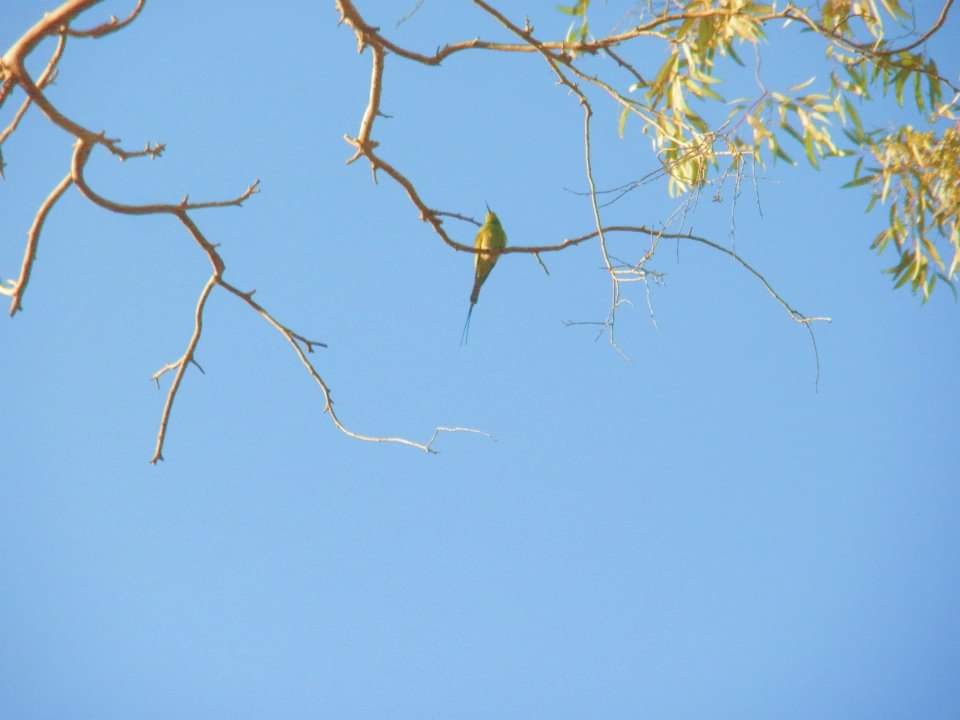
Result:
x=695 y=533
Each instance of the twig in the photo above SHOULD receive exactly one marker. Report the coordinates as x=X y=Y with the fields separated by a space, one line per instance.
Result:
x=526 y=34
x=45 y=78
x=110 y=26
x=181 y=368
x=33 y=240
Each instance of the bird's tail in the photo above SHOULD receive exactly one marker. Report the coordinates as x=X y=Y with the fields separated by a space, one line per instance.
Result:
x=465 y=335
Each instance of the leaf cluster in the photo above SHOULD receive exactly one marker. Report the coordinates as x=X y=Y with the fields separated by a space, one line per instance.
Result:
x=915 y=172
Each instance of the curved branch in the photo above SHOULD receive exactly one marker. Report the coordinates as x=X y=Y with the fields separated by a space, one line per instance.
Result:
x=292 y=339
x=45 y=78
x=298 y=342
x=181 y=368
x=49 y=24
x=19 y=286
x=868 y=49
x=109 y=26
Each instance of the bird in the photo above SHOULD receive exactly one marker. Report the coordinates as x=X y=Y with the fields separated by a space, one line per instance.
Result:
x=490 y=237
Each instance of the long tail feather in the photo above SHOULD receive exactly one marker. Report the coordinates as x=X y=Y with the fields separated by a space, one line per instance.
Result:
x=465 y=335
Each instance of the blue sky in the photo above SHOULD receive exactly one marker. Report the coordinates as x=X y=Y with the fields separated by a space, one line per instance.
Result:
x=696 y=532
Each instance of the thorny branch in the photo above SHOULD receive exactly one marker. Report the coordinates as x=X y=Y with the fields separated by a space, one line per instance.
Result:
x=46 y=77
x=14 y=74
x=110 y=26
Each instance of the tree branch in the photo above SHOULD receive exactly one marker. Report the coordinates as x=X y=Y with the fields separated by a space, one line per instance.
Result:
x=110 y=26
x=19 y=286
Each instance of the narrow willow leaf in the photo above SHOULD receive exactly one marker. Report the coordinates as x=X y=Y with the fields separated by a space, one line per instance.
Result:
x=800 y=86
x=854 y=116
x=791 y=131
x=705 y=33
x=894 y=9
x=712 y=94
x=880 y=241
x=932 y=252
x=933 y=85
x=858 y=181
x=898 y=83
x=808 y=148
x=578 y=10
x=728 y=47
x=886 y=189
x=666 y=72
x=904 y=279
x=697 y=121
x=778 y=152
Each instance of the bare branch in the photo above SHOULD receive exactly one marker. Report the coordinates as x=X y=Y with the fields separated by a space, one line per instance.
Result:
x=292 y=339
x=181 y=368
x=626 y=66
x=19 y=286
x=110 y=26
x=6 y=86
x=458 y=216
x=45 y=78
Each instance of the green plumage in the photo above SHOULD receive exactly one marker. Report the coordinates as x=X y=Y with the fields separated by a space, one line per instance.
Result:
x=490 y=237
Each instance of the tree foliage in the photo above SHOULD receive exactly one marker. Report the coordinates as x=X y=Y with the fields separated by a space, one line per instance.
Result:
x=916 y=173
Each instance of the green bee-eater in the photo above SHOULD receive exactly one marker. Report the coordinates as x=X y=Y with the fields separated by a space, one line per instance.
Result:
x=490 y=237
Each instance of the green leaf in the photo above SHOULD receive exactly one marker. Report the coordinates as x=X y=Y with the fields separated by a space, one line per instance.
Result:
x=933 y=85
x=904 y=278
x=704 y=33
x=810 y=151
x=578 y=10
x=857 y=166
x=710 y=93
x=854 y=116
x=880 y=241
x=728 y=47
x=856 y=139
x=665 y=73
x=697 y=121
x=622 y=122
x=893 y=7
x=859 y=78
x=898 y=84
x=918 y=91
x=792 y=132
x=778 y=152
x=953 y=288
x=932 y=252
x=857 y=182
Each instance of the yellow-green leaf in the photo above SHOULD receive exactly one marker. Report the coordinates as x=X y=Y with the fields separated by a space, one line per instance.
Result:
x=859 y=181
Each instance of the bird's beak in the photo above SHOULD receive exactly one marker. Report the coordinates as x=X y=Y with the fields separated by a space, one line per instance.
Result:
x=488 y=206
